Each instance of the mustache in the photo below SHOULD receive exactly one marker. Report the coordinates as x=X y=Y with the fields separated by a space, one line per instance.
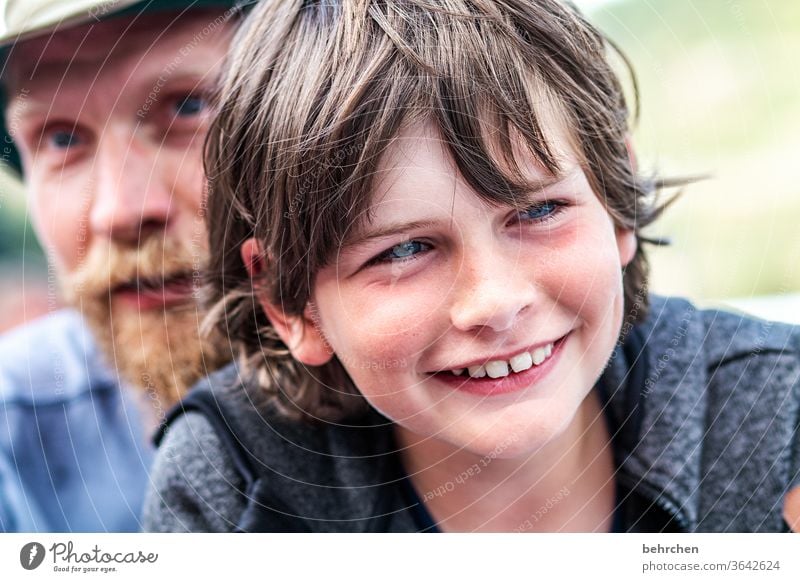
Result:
x=109 y=266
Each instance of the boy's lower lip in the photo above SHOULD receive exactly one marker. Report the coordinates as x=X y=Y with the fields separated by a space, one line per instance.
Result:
x=512 y=383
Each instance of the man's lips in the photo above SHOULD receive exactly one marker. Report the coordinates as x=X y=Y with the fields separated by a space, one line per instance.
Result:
x=155 y=293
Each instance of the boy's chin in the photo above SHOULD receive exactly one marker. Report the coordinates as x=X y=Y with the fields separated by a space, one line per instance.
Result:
x=522 y=432
x=507 y=445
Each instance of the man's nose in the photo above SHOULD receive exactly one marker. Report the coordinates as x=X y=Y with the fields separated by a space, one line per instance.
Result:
x=493 y=287
x=130 y=200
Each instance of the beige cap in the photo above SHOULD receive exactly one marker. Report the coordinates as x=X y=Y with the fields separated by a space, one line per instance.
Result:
x=24 y=19
x=27 y=19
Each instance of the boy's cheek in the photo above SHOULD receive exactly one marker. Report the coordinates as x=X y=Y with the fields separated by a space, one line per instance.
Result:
x=388 y=385
x=383 y=323
x=376 y=341
x=581 y=270
x=404 y=300
x=385 y=351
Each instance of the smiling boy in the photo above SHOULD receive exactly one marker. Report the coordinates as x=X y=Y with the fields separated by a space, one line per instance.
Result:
x=482 y=229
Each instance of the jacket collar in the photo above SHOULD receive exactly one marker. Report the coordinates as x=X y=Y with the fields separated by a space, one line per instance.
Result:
x=654 y=388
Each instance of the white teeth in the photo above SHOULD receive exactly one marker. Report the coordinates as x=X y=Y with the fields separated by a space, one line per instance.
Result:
x=500 y=368
x=521 y=362
x=497 y=369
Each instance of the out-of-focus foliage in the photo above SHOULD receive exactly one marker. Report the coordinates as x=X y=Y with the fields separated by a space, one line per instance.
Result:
x=720 y=92
x=17 y=240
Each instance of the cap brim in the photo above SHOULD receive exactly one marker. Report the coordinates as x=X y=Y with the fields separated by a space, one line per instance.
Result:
x=73 y=16
x=77 y=16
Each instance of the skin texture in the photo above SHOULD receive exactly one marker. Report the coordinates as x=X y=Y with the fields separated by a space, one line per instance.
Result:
x=485 y=282
x=791 y=509
x=109 y=119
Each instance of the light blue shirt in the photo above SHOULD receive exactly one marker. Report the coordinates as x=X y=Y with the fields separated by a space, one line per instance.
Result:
x=73 y=452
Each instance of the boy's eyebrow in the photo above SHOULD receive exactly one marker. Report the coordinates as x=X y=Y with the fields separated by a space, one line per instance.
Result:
x=544 y=183
x=389 y=230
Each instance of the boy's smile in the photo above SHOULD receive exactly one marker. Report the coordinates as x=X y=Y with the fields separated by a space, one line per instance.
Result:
x=495 y=374
x=525 y=304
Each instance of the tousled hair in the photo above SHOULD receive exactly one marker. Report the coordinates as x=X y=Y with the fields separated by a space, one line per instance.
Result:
x=313 y=94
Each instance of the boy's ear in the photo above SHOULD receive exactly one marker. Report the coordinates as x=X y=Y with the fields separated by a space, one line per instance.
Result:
x=631 y=154
x=626 y=238
x=300 y=333
x=253 y=258
x=626 y=244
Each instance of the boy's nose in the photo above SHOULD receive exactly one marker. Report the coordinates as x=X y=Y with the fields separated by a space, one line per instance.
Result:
x=492 y=290
x=130 y=200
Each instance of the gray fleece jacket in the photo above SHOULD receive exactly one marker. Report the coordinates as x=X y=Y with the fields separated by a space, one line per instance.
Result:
x=704 y=407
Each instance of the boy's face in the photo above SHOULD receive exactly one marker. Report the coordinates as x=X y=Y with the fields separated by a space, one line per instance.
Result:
x=453 y=283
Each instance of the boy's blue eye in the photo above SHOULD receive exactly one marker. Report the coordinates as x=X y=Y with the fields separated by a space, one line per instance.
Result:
x=403 y=251
x=541 y=211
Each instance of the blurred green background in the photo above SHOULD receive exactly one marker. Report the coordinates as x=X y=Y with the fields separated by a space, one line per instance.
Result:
x=23 y=271
x=720 y=94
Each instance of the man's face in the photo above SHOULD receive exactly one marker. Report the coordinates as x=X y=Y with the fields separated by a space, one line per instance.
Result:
x=109 y=119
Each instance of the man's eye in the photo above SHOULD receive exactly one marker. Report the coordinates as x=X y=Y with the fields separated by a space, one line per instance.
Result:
x=190 y=105
x=62 y=139
x=402 y=252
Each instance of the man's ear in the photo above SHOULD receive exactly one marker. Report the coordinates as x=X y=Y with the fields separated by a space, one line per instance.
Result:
x=300 y=333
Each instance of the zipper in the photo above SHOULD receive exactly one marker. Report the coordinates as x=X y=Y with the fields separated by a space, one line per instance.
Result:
x=657 y=497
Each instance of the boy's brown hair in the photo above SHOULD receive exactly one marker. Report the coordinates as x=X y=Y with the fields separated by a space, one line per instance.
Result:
x=315 y=91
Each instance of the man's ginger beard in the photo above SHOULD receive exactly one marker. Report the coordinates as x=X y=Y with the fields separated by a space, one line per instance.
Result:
x=157 y=350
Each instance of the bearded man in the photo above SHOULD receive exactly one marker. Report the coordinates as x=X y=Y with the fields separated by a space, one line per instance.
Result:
x=106 y=108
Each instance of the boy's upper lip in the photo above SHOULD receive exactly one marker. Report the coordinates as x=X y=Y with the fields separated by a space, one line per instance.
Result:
x=504 y=355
